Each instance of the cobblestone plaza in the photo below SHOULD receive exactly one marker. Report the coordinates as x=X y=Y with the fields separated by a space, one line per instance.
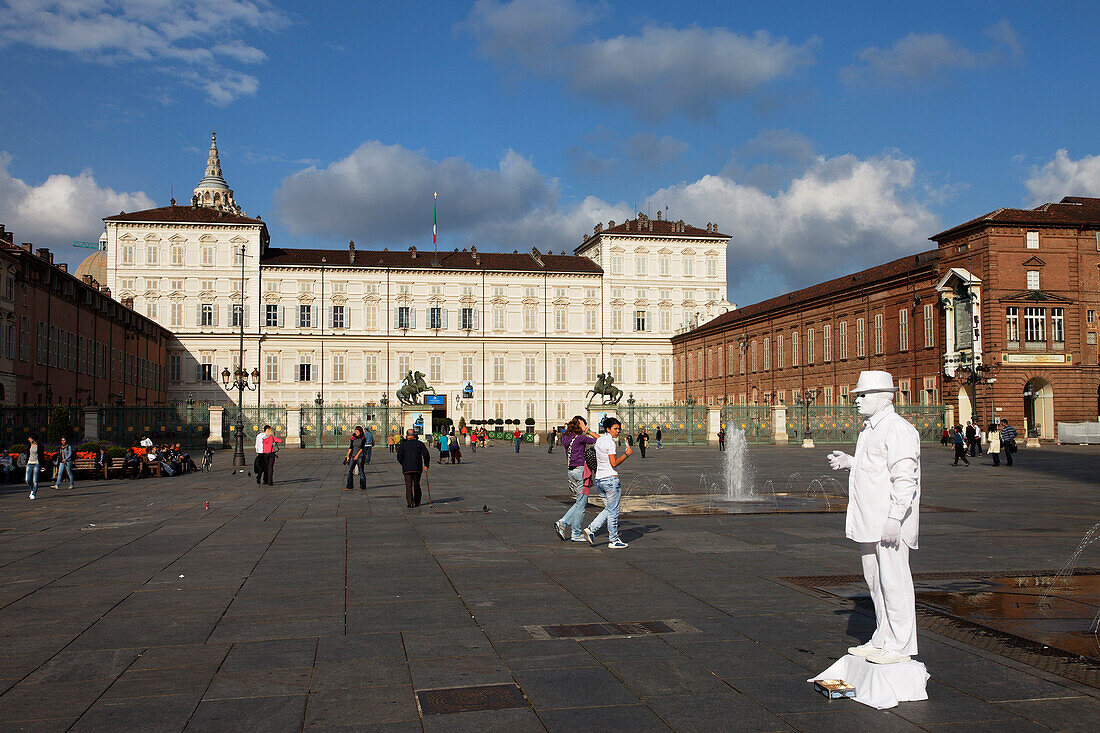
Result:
x=206 y=602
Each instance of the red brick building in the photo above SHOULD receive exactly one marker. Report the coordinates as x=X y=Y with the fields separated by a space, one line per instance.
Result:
x=1036 y=277
x=817 y=340
x=998 y=322
x=65 y=341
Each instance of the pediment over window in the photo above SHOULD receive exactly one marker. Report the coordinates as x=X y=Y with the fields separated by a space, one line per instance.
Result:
x=1035 y=296
x=177 y=239
x=955 y=277
x=1033 y=262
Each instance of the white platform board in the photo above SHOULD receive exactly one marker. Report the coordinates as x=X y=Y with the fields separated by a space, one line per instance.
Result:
x=879 y=685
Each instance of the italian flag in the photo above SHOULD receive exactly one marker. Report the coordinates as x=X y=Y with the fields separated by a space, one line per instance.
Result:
x=435 y=197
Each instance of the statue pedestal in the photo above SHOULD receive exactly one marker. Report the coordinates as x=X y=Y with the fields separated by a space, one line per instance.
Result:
x=879 y=685
x=409 y=416
x=597 y=412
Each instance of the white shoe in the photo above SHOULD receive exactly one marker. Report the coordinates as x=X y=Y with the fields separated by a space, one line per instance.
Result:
x=590 y=536
x=32 y=496
x=863 y=650
x=582 y=538
x=885 y=656
x=561 y=530
x=617 y=545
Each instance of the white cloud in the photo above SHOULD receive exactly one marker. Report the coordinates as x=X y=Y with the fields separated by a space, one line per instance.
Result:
x=842 y=214
x=180 y=35
x=1063 y=176
x=382 y=194
x=62 y=208
x=838 y=215
x=923 y=57
x=661 y=71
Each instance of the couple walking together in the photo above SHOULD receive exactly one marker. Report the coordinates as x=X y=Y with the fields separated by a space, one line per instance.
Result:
x=576 y=441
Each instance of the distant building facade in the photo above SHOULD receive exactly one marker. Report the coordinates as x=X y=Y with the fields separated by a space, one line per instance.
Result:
x=65 y=341
x=998 y=322
x=528 y=332
x=813 y=343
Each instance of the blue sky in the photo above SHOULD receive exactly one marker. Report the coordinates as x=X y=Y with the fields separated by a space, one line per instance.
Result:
x=821 y=136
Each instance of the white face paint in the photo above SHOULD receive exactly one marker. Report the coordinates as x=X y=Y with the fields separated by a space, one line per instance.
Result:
x=873 y=402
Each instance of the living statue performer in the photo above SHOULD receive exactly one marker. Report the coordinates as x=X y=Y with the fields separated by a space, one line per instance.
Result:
x=883 y=507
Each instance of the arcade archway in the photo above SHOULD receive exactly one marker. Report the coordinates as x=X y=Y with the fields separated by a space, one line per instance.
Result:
x=1039 y=407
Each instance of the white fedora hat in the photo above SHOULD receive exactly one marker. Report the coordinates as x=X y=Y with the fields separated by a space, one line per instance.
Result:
x=874 y=382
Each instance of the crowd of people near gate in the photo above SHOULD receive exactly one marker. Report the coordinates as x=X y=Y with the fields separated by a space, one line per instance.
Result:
x=972 y=441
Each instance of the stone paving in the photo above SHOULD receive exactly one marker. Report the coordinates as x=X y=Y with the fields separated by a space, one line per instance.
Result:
x=130 y=605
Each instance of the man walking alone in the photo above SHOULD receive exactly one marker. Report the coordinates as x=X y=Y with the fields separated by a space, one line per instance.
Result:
x=414 y=459
x=357 y=459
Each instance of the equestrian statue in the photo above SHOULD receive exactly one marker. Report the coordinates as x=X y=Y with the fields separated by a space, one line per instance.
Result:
x=411 y=386
x=606 y=388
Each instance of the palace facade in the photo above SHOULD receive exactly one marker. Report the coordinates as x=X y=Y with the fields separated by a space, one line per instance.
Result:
x=527 y=332
x=998 y=322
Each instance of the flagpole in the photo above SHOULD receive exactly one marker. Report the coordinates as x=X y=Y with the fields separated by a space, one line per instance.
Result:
x=435 y=198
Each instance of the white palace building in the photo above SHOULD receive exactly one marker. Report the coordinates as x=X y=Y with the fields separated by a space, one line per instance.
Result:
x=528 y=331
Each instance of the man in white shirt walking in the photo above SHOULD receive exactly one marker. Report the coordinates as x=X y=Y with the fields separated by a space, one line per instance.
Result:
x=883 y=507
x=606 y=480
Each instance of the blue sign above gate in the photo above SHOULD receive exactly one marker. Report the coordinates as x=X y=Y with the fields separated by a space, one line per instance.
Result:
x=435 y=399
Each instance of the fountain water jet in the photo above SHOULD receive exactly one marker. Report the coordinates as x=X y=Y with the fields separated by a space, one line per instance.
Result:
x=737 y=469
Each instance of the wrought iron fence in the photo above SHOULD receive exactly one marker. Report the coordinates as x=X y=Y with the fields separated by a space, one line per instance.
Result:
x=927 y=419
x=17 y=423
x=254 y=419
x=331 y=426
x=188 y=425
x=841 y=423
x=679 y=424
x=758 y=422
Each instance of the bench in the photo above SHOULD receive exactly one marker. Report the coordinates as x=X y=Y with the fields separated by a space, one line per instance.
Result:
x=153 y=466
x=85 y=464
x=115 y=465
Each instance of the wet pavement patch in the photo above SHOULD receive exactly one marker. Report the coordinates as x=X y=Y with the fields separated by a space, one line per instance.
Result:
x=451 y=700
x=1045 y=619
x=610 y=630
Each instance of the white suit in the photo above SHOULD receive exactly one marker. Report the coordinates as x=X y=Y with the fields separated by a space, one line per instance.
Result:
x=885 y=484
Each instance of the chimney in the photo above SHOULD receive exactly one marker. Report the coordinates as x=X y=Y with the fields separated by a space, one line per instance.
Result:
x=128 y=302
x=28 y=247
x=658 y=214
x=412 y=251
x=536 y=255
x=44 y=253
x=6 y=236
x=90 y=281
x=351 y=251
x=64 y=267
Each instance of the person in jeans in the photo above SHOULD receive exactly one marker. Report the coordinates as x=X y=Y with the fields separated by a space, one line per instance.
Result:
x=414 y=459
x=64 y=464
x=1008 y=440
x=607 y=483
x=368 y=444
x=577 y=437
x=356 y=458
x=960 y=446
x=32 y=466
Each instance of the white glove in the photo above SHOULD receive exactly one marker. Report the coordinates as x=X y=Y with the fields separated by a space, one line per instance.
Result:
x=839 y=459
x=891 y=532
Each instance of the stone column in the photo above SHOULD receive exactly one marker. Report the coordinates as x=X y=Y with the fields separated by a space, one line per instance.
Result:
x=293 y=427
x=214 y=426
x=779 y=424
x=714 y=424
x=91 y=424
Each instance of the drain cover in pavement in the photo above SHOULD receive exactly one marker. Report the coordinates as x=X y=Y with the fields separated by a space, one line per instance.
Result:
x=609 y=630
x=469 y=699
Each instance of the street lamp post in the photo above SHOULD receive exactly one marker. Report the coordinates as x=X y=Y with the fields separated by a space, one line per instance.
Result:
x=807 y=397
x=240 y=378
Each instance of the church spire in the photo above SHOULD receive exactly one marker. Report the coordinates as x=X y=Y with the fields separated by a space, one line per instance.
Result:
x=213 y=191
x=213 y=162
